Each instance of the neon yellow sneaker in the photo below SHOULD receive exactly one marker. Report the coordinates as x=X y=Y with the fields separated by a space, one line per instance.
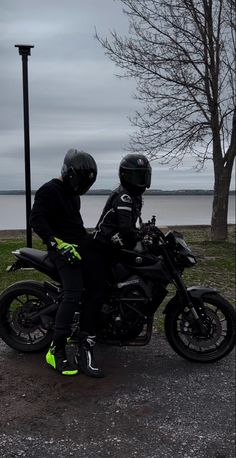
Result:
x=58 y=361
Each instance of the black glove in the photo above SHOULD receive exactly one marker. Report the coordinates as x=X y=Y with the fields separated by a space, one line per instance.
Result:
x=117 y=240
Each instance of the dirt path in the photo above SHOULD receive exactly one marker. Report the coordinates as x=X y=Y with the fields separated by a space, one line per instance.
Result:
x=152 y=403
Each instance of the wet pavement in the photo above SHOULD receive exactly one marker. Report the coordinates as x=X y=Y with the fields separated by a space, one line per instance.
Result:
x=151 y=404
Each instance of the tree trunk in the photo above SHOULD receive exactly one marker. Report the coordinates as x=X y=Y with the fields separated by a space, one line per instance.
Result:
x=219 y=226
x=223 y=172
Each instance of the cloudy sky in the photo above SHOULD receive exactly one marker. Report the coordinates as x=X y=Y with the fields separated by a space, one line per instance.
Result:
x=75 y=98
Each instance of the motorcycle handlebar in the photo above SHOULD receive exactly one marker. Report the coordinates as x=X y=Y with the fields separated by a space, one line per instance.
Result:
x=149 y=232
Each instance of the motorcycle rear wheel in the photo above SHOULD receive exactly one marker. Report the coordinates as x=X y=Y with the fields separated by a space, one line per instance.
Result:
x=17 y=305
x=220 y=341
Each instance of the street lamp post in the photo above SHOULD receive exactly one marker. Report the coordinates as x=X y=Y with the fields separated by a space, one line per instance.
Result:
x=25 y=51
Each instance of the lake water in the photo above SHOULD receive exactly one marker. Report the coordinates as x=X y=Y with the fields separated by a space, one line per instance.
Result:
x=169 y=210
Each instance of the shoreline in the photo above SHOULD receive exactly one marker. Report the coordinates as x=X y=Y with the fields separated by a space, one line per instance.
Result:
x=149 y=192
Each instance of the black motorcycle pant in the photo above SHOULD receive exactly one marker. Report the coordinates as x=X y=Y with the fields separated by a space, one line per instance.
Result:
x=72 y=284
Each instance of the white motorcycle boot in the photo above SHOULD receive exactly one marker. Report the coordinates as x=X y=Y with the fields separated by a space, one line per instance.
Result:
x=86 y=360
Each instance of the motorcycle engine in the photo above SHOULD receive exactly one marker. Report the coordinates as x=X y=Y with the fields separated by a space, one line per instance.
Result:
x=125 y=313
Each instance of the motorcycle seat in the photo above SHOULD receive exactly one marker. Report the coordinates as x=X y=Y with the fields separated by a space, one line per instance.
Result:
x=37 y=256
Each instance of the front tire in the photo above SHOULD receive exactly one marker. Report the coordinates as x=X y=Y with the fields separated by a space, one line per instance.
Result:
x=18 y=303
x=189 y=344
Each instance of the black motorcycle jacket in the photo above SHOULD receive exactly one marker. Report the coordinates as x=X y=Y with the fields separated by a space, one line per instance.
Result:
x=118 y=220
x=56 y=213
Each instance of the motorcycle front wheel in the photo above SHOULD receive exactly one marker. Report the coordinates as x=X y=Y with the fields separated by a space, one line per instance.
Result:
x=18 y=304
x=189 y=343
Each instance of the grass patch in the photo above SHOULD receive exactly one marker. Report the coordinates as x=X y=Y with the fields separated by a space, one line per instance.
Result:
x=215 y=267
x=7 y=258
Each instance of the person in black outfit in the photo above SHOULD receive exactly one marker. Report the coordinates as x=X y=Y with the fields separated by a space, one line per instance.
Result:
x=56 y=218
x=116 y=227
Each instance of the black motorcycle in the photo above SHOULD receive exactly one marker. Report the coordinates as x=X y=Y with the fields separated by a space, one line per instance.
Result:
x=199 y=323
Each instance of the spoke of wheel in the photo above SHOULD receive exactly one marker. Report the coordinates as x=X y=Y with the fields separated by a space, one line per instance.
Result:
x=20 y=301
x=30 y=337
x=184 y=335
x=42 y=331
x=220 y=314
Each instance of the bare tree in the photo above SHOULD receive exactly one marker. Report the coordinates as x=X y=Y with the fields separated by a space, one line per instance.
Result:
x=182 y=54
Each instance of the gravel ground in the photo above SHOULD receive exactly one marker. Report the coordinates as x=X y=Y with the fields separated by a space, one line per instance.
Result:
x=152 y=403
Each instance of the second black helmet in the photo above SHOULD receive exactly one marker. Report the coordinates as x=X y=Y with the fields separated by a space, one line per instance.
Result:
x=79 y=171
x=135 y=173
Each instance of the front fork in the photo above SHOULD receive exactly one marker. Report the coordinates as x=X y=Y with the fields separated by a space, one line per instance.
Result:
x=200 y=318
x=192 y=298
x=187 y=296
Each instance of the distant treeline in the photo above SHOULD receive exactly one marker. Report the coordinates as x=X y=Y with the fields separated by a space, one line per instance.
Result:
x=150 y=192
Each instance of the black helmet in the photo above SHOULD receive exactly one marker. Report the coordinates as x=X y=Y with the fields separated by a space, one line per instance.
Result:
x=79 y=171
x=135 y=173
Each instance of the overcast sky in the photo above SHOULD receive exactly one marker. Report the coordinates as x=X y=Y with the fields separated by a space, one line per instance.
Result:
x=75 y=98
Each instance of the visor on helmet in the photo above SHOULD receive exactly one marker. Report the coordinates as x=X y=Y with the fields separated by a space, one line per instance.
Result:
x=137 y=177
x=80 y=181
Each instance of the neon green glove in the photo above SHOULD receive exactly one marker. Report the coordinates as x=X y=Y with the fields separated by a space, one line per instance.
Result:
x=68 y=251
